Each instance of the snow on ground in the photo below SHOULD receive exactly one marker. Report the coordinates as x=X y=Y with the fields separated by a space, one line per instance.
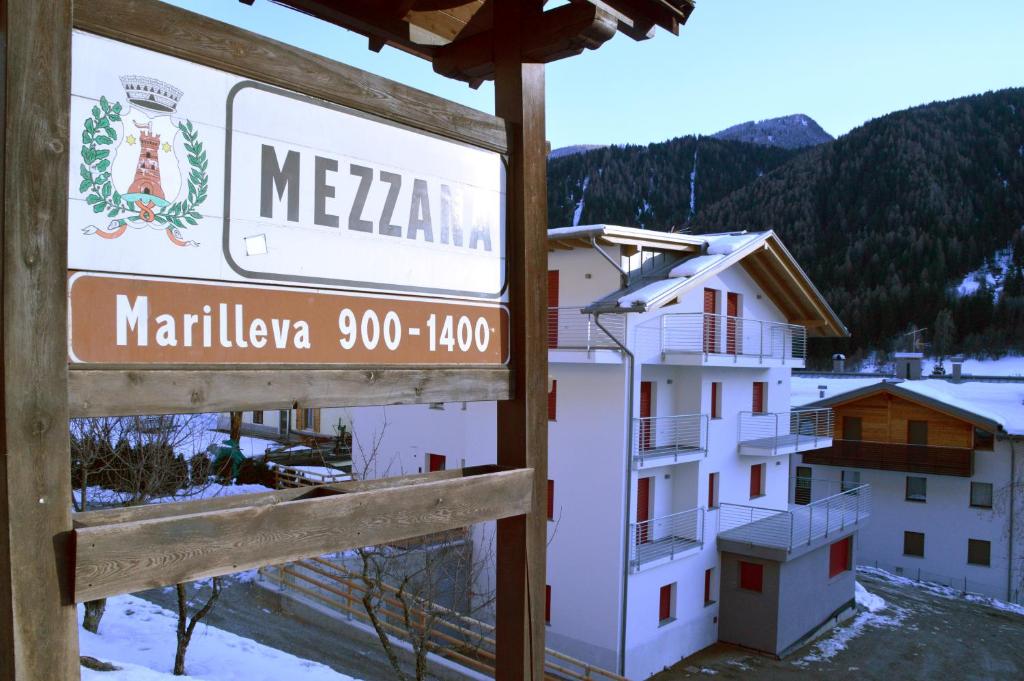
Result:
x=100 y=496
x=942 y=590
x=840 y=637
x=139 y=637
x=868 y=600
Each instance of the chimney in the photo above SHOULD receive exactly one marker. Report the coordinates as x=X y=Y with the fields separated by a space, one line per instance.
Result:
x=908 y=365
x=838 y=363
x=958 y=368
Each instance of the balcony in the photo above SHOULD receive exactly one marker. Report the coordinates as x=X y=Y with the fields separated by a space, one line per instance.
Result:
x=785 y=432
x=664 y=539
x=696 y=338
x=570 y=329
x=895 y=457
x=792 y=530
x=666 y=440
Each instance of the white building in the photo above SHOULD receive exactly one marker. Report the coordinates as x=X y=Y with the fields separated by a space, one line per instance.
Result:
x=943 y=458
x=670 y=435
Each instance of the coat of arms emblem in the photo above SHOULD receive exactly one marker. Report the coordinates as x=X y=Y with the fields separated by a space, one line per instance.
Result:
x=130 y=169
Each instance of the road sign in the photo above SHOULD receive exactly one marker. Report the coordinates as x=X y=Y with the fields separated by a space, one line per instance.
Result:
x=181 y=171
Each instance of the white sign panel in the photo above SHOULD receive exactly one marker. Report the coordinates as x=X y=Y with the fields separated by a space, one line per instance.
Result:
x=185 y=171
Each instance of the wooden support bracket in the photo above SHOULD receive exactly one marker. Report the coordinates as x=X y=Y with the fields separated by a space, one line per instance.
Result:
x=129 y=550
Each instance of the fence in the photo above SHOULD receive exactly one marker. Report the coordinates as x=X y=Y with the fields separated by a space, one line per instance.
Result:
x=712 y=334
x=665 y=537
x=449 y=634
x=786 y=431
x=570 y=329
x=962 y=584
x=304 y=476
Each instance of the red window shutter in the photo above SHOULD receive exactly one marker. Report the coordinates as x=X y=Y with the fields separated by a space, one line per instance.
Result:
x=435 y=462
x=551 y=499
x=712 y=479
x=839 y=557
x=758 y=406
x=553 y=401
x=752 y=576
x=547 y=603
x=707 y=585
x=710 y=323
x=715 y=411
x=755 y=481
x=665 y=603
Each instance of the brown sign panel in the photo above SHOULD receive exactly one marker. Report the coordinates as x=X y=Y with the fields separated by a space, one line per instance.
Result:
x=118 y=319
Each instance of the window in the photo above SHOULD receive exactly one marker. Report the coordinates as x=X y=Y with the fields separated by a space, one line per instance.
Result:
x=716 y=400
x=917 y=432
x=552 y=400
x=435 y=462
x=839 y=556
x=257 y=417
x=981 y=494
x=712 y=490
x=979 y=552
x=665 y=602
x=849 y=480
x=802 y=486
x=757 y=472
x=917 y=489
x=852 y=426
x=983 y=440
x=307 y=419
x=913 y=544
x=551 y=499
x=707 y=586
x=760 y=388
x=751 y=576
x=547 y=604
x=282 y=421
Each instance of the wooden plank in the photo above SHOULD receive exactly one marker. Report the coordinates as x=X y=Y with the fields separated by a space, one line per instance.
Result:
x=38 y=633
x=110 y=516
x=139 y=391
x=522 y=420
x=180 y=33
x=128 y=557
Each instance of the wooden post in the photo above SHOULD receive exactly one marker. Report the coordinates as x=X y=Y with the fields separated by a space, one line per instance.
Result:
x=38 y=635
x=522 y=421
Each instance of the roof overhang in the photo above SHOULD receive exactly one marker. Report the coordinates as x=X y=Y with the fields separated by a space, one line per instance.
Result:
x=897 y=390
x=631 y=238
x=459 y=36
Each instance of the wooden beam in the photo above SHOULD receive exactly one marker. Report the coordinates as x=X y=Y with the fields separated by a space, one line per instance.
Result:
x=557 y=33
x=135 y=555
x=133 y=391
x=522 y=420
x=193 y=37
x=38 y=633
x=111 y=516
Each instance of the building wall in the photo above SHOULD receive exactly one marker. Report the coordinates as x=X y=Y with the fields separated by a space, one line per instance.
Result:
x=808 y=596
x=583 y=275
x=749 y=618
x=946 y=519
x=884 y=418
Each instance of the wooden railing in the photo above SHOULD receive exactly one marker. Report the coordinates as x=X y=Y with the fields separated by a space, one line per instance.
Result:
x=894 y=457
x=462 y=639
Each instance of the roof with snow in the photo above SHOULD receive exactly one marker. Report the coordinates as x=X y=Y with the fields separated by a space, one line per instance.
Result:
x=991 y=405
x=694 y=258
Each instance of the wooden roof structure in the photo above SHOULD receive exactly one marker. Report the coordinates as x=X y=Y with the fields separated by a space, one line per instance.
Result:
x=458 y=36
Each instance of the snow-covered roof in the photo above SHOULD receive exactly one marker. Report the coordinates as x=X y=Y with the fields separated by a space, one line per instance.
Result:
x=1000 y=403
x=693 y=266
x=646 y=295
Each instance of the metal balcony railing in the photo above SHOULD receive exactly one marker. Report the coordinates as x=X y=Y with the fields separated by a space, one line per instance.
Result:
x=798 y=526
x=712 y=334
x=665 y=537
x=669 y=436
x=569 y=328
x=786 y=432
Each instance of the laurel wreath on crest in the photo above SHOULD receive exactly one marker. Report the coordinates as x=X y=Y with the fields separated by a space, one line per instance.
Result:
x=97 y=137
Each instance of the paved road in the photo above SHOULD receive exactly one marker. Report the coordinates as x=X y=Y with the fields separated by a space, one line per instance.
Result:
x=267 y=617
x=919 y=635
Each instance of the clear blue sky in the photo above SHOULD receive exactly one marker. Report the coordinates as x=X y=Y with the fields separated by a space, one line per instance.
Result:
x=842 y=63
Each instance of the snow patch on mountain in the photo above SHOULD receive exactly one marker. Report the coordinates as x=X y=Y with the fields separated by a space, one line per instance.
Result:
x=992 y=273
x=573 y=149
x=789 y=132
